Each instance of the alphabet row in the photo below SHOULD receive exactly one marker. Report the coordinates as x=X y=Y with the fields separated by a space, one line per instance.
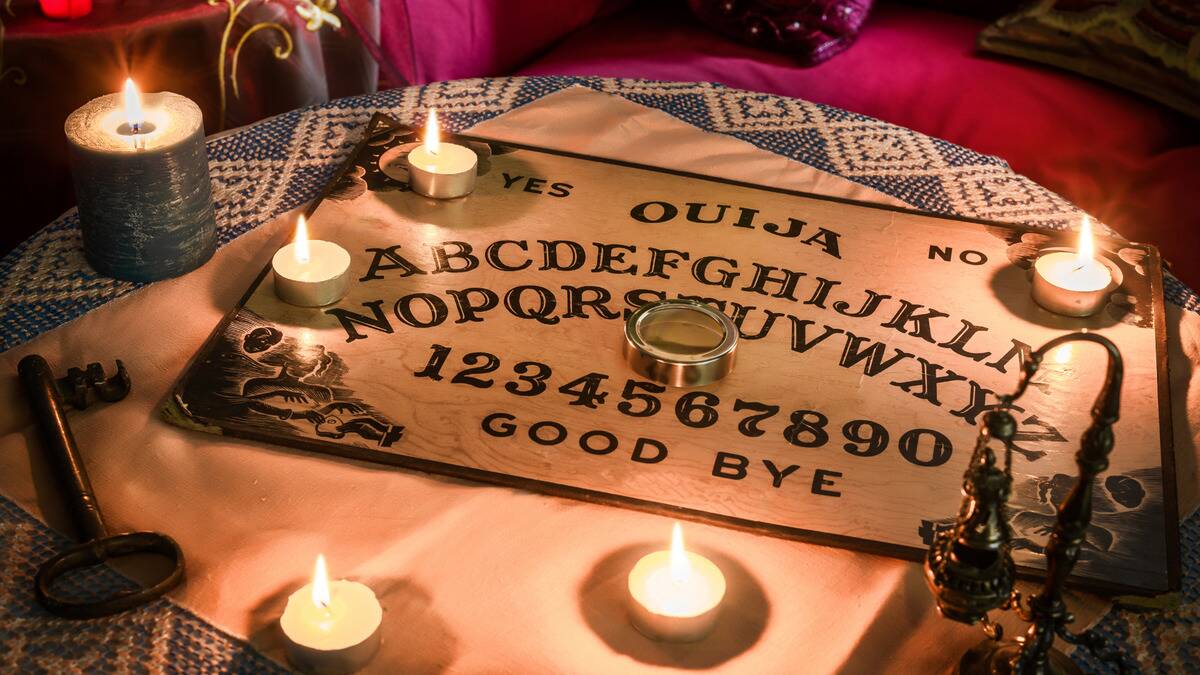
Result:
x=727 y=465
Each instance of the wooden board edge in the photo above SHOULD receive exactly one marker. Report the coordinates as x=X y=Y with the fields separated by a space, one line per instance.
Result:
x=1166 y=432
x=456 y=471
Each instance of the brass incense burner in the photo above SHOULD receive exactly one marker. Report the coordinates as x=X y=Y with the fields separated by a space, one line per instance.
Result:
x=970 y=569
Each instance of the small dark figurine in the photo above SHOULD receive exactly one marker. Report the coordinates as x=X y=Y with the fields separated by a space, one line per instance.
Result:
x=969 y=567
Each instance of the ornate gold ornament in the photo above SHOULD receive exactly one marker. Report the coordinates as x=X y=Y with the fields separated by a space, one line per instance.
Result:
x=317 y=13
x=281 y=51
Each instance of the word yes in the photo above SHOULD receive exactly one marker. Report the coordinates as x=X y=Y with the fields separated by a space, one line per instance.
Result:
x=535 y=185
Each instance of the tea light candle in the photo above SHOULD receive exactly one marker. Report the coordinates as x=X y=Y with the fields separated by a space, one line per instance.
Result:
x=1074 y=282
x=141 y=179
x=331 y=627
x=310 y=273
x=441 y=170
x=675 y=595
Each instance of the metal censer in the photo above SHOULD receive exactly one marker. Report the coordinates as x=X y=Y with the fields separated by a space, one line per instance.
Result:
x=970 y=569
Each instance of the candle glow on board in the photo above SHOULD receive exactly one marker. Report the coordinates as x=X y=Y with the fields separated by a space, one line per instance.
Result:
x=675 y=594
x=1062 y=355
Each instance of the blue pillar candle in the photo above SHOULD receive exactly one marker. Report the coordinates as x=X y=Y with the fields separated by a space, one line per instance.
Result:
x=141 y=181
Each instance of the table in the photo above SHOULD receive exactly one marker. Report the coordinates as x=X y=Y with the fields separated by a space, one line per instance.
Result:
x=472 y=577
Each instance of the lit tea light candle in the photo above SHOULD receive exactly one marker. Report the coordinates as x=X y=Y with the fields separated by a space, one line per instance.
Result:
x=331 y=627
x=675 y=595
x=441 y=170
x=310 y=272
x=1074 y=282
x=141 y=178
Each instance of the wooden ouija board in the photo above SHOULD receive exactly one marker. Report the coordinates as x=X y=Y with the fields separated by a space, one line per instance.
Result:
x=482 y=338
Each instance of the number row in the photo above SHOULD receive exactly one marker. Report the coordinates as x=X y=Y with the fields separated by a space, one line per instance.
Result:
x=695 y=409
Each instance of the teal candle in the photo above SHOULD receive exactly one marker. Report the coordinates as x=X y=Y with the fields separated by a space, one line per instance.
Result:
x=142 y=185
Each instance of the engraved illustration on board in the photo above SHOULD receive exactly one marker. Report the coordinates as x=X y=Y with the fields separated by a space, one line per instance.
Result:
x=255 y=375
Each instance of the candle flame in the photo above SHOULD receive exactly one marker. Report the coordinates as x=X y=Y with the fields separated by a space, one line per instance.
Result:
x=320 y=584
x=133 y=106
x=432 y=141
x=301 y=241
x=1087 y=247
x=1062 y=354
x=681 y=567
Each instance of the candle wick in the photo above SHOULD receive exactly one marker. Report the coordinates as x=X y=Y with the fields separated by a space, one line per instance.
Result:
x=135 y=128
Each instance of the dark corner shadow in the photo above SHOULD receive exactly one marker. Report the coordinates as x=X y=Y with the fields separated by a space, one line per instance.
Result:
x=428 y=644
x=1009 y=277
x=906 y=607
x=744 y=613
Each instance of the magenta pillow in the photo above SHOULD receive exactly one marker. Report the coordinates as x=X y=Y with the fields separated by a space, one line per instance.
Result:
x=431 y=40
x=811 y=30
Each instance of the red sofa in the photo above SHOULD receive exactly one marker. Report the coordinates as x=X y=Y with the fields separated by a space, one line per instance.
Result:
x=1129 y=161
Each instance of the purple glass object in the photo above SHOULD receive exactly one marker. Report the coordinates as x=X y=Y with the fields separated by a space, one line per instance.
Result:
x=811 y=30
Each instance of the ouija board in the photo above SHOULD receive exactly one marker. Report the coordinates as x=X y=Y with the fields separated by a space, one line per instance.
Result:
x=482 y=338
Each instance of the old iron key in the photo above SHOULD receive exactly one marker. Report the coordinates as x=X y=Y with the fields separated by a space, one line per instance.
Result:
x=98 y=546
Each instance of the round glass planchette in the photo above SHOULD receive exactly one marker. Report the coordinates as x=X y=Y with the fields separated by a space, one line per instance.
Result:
x=681 y=343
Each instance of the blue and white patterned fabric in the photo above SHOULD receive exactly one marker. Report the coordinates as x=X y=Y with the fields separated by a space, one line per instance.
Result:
x=279 y=164
x=159 y=637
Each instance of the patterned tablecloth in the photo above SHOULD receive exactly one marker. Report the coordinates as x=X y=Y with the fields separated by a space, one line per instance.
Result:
x=279 y=164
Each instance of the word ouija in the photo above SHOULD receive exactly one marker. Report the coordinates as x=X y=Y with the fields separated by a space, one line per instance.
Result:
x=699 y=212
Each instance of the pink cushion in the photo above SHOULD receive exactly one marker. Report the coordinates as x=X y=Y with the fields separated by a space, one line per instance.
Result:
x=430 y=40
x=1132 y=163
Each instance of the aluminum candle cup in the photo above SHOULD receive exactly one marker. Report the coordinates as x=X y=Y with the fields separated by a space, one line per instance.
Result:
x=1064 y=285
x=145 y=200
x=448 y=174
x=675 y=595
x=681 y=343
x=316 y=277
x=331 y=627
